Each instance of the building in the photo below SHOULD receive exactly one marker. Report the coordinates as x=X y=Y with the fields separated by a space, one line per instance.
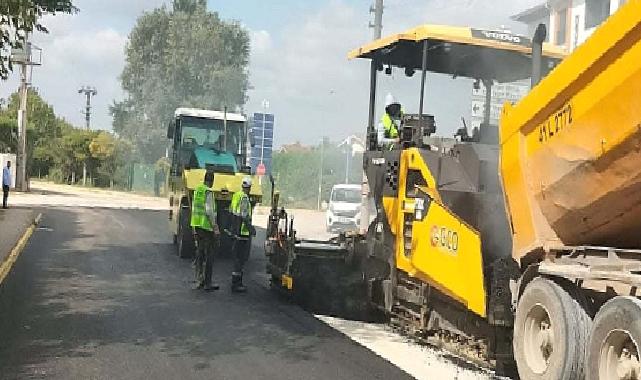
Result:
x=296 y=147
x=569 y=22
x=501 y=93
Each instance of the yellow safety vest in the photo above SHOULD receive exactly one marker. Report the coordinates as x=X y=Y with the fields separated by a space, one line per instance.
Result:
x=241 y=207
x=391 y=132
x=199 y=216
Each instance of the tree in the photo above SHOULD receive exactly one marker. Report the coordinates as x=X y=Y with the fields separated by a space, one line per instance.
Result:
x=297 y=174
x=112 y=154
x=185 y=56
x=43 y=128
x=19 y=18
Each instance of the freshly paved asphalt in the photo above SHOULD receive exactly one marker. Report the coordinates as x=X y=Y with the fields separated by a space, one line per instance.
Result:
x=100 y=294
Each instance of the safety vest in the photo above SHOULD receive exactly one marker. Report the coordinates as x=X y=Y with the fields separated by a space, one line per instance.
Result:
x=199 y=216
x=391 y=132
x=241 y=207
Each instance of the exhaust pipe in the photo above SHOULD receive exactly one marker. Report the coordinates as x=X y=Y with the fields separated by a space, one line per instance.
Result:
x=537 y=54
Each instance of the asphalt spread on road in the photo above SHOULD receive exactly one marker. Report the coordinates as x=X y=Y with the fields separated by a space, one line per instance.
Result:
x=100 y=294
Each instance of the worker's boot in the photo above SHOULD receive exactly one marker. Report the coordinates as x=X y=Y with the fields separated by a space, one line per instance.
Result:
x=237 y=283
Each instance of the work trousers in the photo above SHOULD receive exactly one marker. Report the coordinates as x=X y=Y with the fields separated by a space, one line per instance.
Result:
x=5 y=195
x=242 y=248
x=204 y=262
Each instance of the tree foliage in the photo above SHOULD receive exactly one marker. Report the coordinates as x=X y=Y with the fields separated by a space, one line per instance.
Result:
x=113 y=155
x=21 y=17
x=58 y=150
x=183 y=56
x=297 y=174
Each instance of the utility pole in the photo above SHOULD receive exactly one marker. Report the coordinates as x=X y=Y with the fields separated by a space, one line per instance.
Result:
x=377 y=10
x=88 y=91
x=21 y=165
x=320 y=173
x=24 y=57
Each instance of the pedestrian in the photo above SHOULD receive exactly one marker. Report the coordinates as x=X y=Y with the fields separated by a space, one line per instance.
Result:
x=6 y=183
x=206 y=232
x=241 y=210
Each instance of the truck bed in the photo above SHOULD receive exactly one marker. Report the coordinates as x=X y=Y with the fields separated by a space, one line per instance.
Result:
x=571 y=150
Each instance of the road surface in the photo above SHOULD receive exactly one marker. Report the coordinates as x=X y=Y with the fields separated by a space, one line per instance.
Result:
x=100 y=294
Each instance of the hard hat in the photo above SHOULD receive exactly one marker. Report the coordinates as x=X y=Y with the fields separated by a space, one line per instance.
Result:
x=247 y=182
x=390 y=99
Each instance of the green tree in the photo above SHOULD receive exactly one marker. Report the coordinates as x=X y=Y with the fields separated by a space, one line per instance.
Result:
x=297 y=174
x=184 y=56
x=71 y=151
x=21 y=17
x=43 y=128
x=112 y=154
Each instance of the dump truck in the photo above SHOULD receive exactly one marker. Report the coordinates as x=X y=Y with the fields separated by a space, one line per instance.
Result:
x=517 y=244
x=206 y=140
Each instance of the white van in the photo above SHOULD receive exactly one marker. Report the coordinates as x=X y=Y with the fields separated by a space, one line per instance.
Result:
x=344 y=209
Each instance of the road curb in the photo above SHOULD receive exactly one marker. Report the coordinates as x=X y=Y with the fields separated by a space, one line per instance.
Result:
x=7 y=264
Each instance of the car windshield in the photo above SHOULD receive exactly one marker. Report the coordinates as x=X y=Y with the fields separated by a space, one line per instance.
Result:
x=346 y=195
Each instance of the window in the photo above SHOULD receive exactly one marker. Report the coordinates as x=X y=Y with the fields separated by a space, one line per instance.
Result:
x=562 y=26
x=596 y=11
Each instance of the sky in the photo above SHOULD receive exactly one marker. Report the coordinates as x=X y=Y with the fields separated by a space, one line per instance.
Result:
x=298 y=59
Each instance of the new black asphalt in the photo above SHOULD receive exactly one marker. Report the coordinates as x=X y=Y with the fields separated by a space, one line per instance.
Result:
x=100 y=294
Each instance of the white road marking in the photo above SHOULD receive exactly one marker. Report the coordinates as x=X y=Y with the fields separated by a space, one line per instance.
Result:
x=423 y=363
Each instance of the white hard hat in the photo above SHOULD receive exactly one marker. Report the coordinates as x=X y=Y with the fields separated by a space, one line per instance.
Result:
x=390 y=99
x=247 y=182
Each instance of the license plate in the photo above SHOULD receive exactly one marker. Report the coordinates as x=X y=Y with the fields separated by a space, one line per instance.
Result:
x=344 y=220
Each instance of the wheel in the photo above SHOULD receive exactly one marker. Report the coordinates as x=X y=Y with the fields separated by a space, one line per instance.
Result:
x=551 y=330
x=186 y=245
x=615 y=341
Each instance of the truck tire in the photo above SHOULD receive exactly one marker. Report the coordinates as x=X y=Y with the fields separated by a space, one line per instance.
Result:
x=615 y=341
x=551 y=330
x=186 y=245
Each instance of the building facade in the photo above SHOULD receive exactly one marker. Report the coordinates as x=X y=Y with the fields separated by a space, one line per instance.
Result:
x=569 y=22
x=501 y=93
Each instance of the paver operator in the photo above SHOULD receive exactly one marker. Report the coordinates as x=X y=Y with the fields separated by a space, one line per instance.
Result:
x=391 y=122
x=206 y=232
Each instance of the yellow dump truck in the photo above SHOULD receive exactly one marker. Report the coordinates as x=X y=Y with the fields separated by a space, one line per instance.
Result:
x=515 y=242
x=571 y=172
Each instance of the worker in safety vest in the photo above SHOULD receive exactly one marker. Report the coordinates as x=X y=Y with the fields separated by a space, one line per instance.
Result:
x=242 y=231
x=206 y=232
x=391 y=122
